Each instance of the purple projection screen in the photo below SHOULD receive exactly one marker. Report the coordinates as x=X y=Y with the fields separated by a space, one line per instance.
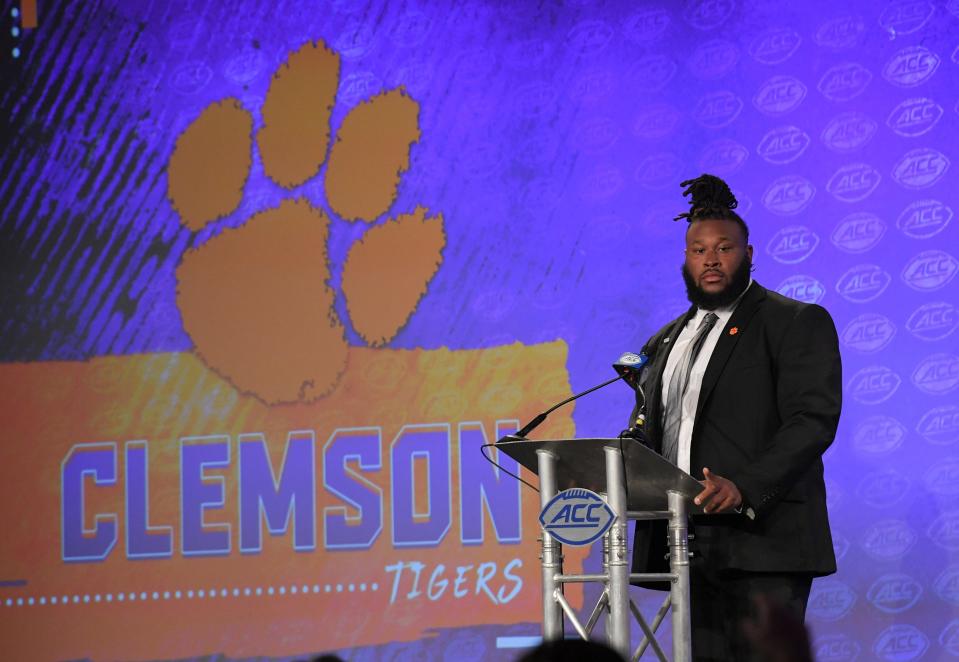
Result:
x=274 y=272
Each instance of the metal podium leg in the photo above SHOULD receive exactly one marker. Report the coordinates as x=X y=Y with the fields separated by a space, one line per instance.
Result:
x=617 y=625
x=551 y=559
x=679 y=566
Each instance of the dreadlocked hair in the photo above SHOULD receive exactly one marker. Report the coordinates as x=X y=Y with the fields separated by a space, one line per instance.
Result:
x=711 y=199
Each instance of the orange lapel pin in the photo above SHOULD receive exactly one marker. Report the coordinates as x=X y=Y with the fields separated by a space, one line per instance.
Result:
x=733 y=331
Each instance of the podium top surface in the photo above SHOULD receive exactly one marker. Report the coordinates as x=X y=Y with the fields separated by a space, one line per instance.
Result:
x=582 y=463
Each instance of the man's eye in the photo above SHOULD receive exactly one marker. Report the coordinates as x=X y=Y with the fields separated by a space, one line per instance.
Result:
x=725 y=249
x=699 y=251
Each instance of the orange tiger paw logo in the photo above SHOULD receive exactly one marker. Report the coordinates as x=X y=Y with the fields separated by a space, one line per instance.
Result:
x=256 y=300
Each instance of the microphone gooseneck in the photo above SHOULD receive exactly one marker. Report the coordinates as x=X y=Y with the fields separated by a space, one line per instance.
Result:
x=628 y=367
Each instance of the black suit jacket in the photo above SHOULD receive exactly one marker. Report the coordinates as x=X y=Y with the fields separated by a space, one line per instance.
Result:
x=768 y=409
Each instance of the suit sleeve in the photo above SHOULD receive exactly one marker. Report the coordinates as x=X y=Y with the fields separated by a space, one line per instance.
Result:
x=808 y=377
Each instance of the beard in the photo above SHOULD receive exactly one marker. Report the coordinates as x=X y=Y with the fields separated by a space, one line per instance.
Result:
x=713 y=300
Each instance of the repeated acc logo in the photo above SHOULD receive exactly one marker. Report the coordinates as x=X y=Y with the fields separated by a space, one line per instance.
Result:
x=869 y=332
x=906 y=17
x=940 y=425
x=841 y=32
x=622 y=327
x=539 y=196
x=656 y=121
x=717 y=109
x=601 y=183
x=774 y=46
x=592 y=86
x=191 y=77
x=937 y=374
x=792 y=244
x=854 y=182
x=942 y=478
x=848 y=131
x=863 y=283
x=944 y=531
x=802 y=288
x=920 y=168
x=600 y=231
x=836 y=648
x=713 y=59
x=658 y=170
x=653 y=72
x=355 y=41
x=873 y=384
x=596 y=134
x=245 y=66
x=946 y=585
x=535 y=99
x=889 y=540
x=924 y=218
x=844 y=81
x=576 y=517
x=358 y=86
x=894 y=593
x=914 y=117
x=783 y=145
x=858 y=232
x=933 y=321
x=646 y=25
x=417 y=78
x=723 y=156
x=884 y=488
x=589 y=37
x=949 y=638
x=708 y=14
x=830 y=600
x=411 y=29
x=930 y=270
x=900 y=643
x=840 y=545
x=528 y=53
x=779 y=95
x=911 y=66
x=652 y=222
x=540 y=148
x=878 y=435
x=789 y=195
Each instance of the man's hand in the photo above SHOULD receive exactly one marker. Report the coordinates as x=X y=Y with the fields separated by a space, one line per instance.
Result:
x=719 y=494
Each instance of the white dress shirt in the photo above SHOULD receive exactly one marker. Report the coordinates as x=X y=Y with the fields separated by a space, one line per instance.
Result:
x=691 y=399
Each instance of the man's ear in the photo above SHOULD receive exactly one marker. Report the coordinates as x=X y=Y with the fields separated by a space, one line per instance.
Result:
x=749 y=251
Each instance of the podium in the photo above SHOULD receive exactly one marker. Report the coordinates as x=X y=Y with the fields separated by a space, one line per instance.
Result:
x=638 y=484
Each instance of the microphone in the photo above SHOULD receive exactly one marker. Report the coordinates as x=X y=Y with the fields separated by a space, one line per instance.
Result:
x=628 y=368
x=631 y=367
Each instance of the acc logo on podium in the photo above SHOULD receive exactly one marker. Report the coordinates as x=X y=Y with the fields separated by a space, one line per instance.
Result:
x=576 y=517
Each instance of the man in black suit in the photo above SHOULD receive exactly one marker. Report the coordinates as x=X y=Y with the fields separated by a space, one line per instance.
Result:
x=743 y=391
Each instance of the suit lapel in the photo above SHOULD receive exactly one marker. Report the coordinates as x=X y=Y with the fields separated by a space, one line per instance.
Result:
x=727 y=341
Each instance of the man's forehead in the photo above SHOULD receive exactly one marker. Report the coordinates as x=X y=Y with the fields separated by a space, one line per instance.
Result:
x=716 y=229
x=720 y=237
